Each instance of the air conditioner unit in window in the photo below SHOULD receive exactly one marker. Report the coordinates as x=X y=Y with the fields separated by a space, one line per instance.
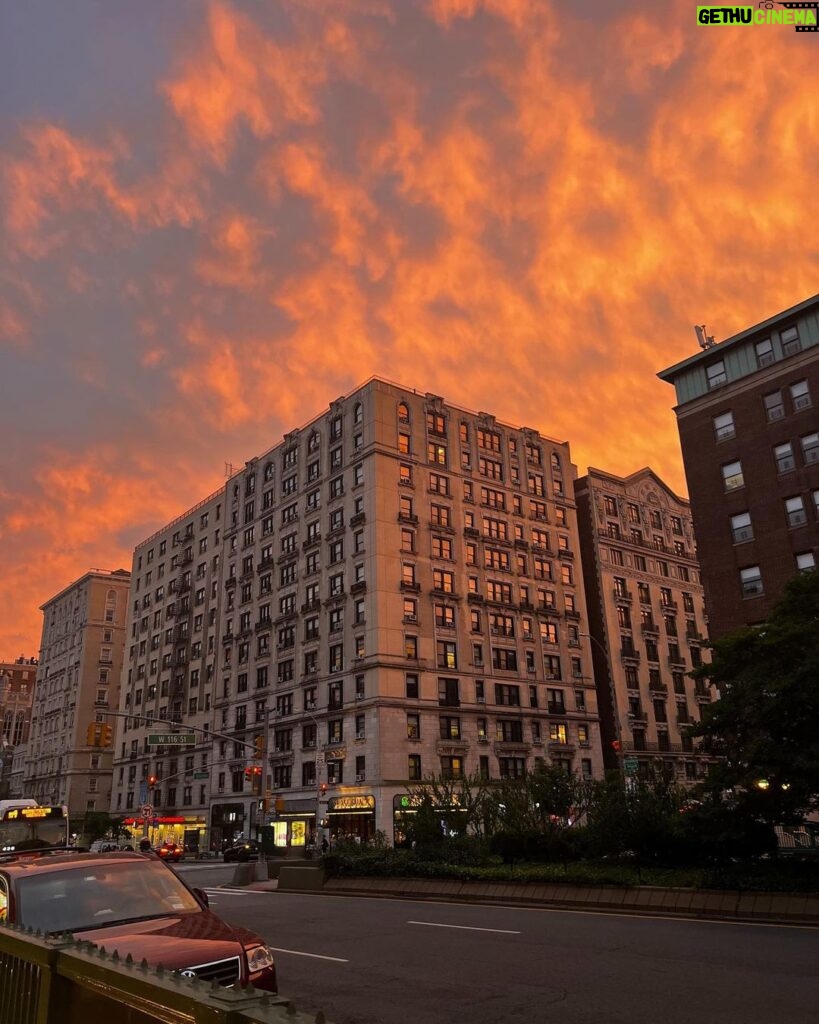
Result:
x=360 y=735
x=359 y=696
x=359 y=777
x=481 y=700
x=310 y=705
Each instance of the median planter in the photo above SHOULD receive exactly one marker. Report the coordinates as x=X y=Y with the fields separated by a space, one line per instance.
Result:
x=244 y=874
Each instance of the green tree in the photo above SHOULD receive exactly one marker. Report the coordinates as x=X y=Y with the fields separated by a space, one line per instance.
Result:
x=99 y=825
x=763 y=727
x=445 y=807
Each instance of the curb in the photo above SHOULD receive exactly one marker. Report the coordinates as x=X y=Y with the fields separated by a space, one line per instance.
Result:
x=742 y=907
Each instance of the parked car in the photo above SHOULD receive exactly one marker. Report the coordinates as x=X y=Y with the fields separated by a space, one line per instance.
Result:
x=170 y=851
x=103 y=846
x=244 y=851
x=135 y=905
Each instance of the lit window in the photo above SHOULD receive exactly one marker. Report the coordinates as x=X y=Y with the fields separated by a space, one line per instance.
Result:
x=732 y=475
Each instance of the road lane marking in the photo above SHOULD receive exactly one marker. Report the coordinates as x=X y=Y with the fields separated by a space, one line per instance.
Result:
x=464 y=927
x=314 y=956
x=233 y=892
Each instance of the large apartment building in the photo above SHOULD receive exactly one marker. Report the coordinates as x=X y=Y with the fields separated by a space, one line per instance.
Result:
x=747 y=416
x=16 y=693
x=78 y=680
x=647 y=618
x=393 y=591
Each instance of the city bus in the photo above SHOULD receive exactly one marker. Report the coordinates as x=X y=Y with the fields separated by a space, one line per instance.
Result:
x=33 y=828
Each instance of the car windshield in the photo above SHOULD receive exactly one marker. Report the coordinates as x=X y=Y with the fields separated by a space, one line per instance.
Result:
x=89 y=896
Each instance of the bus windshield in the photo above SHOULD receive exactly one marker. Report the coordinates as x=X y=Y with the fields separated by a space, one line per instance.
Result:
x=33 y=828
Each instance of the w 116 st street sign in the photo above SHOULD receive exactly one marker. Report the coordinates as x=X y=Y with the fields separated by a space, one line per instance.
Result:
x=171 y=739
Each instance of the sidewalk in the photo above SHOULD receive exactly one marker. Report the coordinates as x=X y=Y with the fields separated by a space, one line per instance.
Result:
x=773 y=908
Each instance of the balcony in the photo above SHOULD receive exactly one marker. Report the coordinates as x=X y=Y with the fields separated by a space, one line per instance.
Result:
x=650 y=629
x=657 y=687
x=230 y=583
x=309 y=606
x=359 y=587
x=358 y=519
x=262 y=625
x=629 y=655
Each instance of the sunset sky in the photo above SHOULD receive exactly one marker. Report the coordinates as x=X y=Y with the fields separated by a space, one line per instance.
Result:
x=216 y=218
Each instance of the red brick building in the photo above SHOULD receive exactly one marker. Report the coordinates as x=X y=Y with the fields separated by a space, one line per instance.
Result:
x=749 y=430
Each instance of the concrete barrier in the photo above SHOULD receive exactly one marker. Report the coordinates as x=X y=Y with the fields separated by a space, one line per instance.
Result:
x=301 y=877
x=244 y=874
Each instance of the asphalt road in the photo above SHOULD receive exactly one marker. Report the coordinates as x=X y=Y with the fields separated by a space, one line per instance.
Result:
x=371 y=961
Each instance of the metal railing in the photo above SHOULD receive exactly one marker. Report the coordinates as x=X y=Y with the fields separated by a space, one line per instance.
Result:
x=57 y=980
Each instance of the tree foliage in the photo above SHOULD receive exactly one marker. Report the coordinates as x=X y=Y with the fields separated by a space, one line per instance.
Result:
x=764 y=724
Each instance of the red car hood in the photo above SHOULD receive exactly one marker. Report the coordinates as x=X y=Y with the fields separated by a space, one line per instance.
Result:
x=175 y=941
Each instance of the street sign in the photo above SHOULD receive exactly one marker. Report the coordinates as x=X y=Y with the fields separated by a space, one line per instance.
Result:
x=631 y=765
x=171 y=739
x=146 y=811
x=201 y=775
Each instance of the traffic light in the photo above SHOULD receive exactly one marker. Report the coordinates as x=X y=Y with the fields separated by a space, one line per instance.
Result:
x=152 y=781
x=323 y=788
x=258 y=747
x=615 y=746
x=107 y=735
x=93 y=734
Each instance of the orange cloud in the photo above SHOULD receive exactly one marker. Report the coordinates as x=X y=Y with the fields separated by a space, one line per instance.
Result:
x=501 y=202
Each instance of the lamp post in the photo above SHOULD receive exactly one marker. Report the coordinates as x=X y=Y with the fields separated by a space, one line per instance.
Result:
x=615 y=712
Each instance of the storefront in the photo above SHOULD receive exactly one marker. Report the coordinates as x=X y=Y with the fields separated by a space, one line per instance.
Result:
x=227 y=826
x=188 y=832
x=351 y=818
x=293 y=823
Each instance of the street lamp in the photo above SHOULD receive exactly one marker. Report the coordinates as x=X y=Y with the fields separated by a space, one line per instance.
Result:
x=617 y=743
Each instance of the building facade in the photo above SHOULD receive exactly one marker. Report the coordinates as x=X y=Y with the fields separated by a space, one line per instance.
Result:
x=168 y=684
x=749 y=430
x=647 y=618
x=395 y=593
x=16 y=693
x=78 y=681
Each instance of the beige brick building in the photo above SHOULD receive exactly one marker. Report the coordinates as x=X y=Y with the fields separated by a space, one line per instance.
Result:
x=78 y=679
x=16 y=694
x=647 y=617
x=395 y=592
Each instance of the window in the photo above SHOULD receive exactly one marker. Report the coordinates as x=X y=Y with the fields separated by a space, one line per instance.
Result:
x=404 y=444
x=438 y=484
x=411 y=647
x=751 y=581
x=443 y=580
x=724 y=426
x=403 y=412
x=764 y=352
x=436 y=453
x=441 y=547
x=448 y=693
x=774 y=406
x=732 y=476
x=795 y=512
x=412 y=686
x=715 y=373
x=741 y=527
x=783 y=455
x=414 y=768
x=790 y=341
x=447 y=654
x=810 y=448
x=800 y=395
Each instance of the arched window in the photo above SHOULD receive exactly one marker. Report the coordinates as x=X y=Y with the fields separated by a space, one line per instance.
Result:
x=358 y=413
x=403 y=412
x=268 y=472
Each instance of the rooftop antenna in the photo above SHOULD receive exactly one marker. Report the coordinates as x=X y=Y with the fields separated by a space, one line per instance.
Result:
x=228 y=470
x=705 y=340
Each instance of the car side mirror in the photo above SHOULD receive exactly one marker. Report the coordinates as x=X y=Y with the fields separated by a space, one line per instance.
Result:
x=203 y=896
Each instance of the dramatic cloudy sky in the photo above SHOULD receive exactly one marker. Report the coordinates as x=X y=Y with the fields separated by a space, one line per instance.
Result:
x=218 y=217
